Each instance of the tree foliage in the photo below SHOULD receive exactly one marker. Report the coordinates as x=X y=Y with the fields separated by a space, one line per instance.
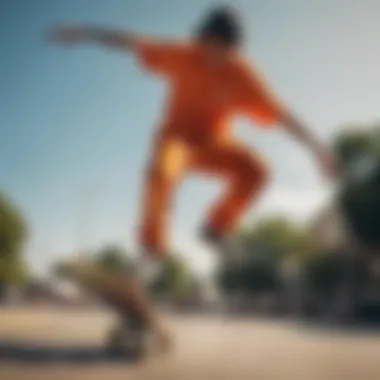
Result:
x=12 y=228
x=175 y=277
x=13 y=234
x=359 y=200
x=113 y=258
x=272 y=239
x=351 y=143
x=265 y=244
x=277 y=236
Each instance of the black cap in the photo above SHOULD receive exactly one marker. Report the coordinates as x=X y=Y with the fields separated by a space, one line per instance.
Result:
x=222 y=23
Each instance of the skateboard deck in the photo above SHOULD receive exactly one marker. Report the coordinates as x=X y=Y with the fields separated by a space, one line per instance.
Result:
x=111 y=288
x=131 y=337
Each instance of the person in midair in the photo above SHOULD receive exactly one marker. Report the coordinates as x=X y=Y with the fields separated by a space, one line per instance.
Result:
x=211 y=81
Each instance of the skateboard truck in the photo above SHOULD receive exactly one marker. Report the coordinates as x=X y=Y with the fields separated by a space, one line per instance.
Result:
x=129 y=339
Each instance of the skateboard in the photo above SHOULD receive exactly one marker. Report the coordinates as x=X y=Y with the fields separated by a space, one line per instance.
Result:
x=131 y=337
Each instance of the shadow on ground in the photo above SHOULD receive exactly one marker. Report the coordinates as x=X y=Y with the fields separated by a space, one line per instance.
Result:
x=365 y=320
x=42 y=354
x=350 y=327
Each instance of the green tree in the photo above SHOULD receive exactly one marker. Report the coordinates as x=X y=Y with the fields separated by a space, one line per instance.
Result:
x=174 y=279
x=324 y=272
x=265 y=244
x=113 y=258
x=253 y=277
x=277 y=236
x=358 y=198
x=351 y=143
x=12 y=228
x=13 y=235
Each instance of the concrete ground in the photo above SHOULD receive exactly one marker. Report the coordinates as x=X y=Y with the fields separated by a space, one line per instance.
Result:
x=208 y=348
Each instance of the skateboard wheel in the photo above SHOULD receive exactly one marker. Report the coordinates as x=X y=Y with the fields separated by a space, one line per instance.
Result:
x=128 y=341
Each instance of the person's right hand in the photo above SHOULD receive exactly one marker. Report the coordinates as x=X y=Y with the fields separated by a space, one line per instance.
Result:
x=327 y=163
x=68 y=34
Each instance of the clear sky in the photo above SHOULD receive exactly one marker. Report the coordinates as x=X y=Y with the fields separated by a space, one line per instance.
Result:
x=76 y=122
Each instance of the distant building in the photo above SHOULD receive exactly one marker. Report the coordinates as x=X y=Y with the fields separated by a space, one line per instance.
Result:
x=54 y=292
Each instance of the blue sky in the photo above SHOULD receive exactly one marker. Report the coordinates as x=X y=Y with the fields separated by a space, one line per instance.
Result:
x=76 y=122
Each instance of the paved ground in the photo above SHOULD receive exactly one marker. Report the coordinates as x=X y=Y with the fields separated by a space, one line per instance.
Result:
x=208 y=348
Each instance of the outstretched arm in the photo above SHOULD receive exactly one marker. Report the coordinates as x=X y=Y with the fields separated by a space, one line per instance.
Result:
x=264 y=105
x=108 y=37
x=324 y=156
x=297 y=128
x=155 y=55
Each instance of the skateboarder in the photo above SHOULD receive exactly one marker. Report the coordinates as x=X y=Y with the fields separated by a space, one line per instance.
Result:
x=210 y=82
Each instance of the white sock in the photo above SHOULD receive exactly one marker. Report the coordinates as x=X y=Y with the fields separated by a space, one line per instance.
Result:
x=148 y=268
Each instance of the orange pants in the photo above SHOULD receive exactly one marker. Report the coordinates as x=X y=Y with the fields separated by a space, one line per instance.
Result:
x=173 y=157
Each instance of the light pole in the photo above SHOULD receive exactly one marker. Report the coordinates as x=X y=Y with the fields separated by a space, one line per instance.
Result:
x=85 y=221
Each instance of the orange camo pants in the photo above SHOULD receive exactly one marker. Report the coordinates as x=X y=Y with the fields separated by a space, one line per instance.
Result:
x=240 y=167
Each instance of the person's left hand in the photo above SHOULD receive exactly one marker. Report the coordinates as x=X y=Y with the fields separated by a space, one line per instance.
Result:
x=327 y=163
